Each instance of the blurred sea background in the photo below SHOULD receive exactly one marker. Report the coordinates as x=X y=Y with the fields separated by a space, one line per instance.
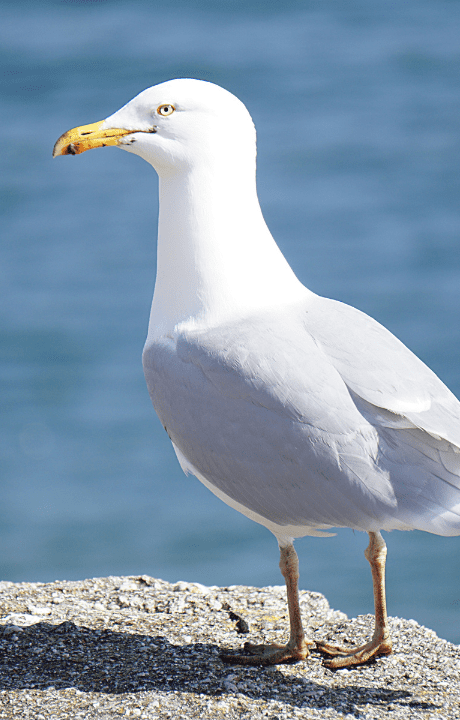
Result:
x=357 y=107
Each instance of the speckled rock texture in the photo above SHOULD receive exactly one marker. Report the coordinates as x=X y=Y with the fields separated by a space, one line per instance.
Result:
x=143 y=648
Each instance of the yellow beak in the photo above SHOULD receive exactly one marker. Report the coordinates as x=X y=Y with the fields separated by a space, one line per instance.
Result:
x=86 y=137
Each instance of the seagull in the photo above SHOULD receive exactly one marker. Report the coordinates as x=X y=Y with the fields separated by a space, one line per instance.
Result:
x=299 y=411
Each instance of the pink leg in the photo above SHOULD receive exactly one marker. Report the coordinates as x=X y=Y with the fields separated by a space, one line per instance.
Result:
x=296 y=648
x=380 y=644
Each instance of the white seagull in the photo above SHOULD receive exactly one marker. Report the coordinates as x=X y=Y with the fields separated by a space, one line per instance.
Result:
x=301 y=412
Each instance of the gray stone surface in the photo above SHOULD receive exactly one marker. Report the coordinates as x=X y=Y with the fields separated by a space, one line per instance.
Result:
x=143 y=648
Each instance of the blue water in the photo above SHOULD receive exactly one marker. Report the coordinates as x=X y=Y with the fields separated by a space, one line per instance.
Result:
x=358 y=117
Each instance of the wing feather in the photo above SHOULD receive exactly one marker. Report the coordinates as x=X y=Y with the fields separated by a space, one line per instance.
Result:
x=381 y=370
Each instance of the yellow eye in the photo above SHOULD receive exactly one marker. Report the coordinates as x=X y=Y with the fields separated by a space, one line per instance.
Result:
x=165 y=110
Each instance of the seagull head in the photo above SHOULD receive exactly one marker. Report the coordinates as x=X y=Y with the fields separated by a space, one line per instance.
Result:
x=174 y=126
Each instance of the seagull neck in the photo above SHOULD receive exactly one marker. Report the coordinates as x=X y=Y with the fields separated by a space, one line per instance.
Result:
x=216 y=257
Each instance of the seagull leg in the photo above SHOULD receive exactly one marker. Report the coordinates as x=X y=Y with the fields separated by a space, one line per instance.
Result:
x=380 y=644
x=297 y=647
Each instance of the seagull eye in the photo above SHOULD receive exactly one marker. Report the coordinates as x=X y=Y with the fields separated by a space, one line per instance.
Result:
x=165 y=110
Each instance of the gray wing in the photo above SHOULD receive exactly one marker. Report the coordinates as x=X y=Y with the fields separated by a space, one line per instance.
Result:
x=299 y=417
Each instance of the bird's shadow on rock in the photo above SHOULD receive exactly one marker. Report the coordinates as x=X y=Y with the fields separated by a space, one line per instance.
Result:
x=61 y=656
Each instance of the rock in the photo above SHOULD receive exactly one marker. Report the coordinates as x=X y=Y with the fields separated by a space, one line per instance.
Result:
x=141 y=647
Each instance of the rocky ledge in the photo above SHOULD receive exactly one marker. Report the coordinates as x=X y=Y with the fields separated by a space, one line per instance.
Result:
x=144 y=648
